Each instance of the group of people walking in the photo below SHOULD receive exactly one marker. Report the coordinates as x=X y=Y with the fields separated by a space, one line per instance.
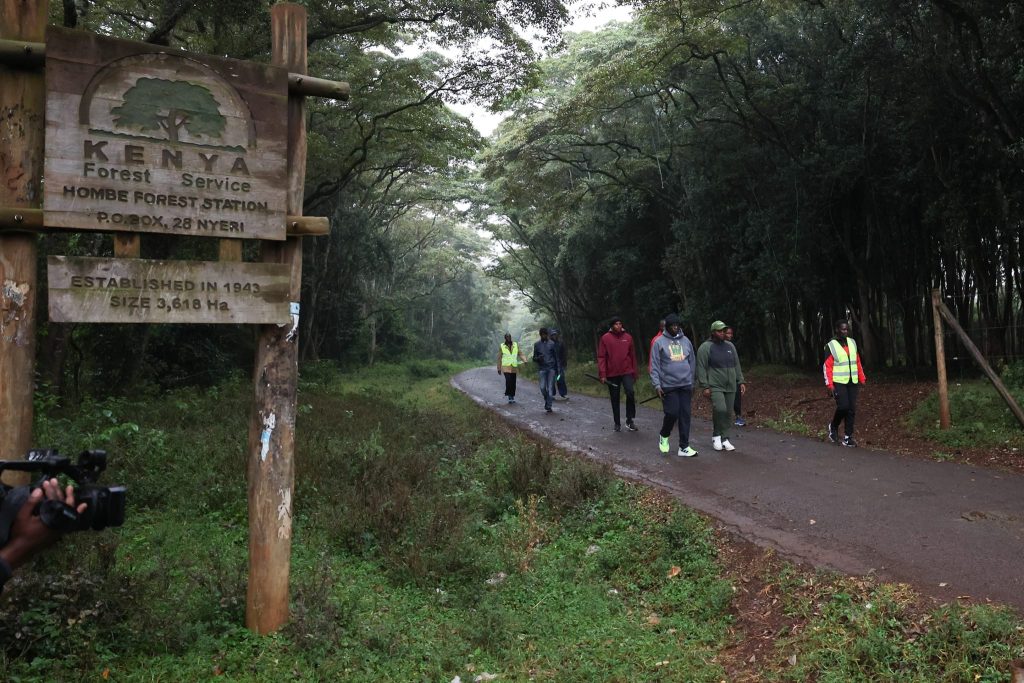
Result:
x=551 y=357
x=675 y=369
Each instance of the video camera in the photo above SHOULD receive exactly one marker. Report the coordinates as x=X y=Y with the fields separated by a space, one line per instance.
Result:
x=105 y=504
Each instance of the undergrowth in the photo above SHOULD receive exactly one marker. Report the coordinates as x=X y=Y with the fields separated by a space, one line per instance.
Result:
x=430 y=541
x=980 y=417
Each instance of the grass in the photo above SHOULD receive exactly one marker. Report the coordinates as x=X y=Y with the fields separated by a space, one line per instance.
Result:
x=790 y=422
x=859 y=631
x=980 y=417
x=430 y=541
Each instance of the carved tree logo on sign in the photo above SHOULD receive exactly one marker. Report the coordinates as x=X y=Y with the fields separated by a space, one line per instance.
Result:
x=146 y=139
x=173 y=106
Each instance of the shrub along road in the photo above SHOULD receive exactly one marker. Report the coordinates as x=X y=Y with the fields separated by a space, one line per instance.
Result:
x=951 y=530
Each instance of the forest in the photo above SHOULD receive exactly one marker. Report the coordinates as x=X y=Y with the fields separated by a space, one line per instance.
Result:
x=777 y=164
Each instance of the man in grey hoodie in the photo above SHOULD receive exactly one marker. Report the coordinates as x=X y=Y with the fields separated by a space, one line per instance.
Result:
x=673 y=365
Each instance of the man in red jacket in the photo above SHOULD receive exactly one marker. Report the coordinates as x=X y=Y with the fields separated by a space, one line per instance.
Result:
x=616 y=367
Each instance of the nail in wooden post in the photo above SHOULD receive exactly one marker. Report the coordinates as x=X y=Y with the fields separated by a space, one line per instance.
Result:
x=940 y=361
x=272 y=425
x=22 y=125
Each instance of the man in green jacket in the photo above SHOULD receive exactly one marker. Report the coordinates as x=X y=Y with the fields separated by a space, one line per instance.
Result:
x=719 y=375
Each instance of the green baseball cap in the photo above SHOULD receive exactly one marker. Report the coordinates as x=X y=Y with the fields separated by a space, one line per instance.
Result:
x=718 y=325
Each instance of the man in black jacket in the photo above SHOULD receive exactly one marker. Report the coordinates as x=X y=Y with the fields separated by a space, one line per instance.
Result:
x=546 y=358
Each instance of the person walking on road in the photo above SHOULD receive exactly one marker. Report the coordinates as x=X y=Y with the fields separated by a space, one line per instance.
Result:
x=673 y=367
x=546 y=358
x=650 y=353
x=719 y=376
x=616 y=368
x=509 y=358
x=737 y=406
x=563 y=363
x=844 y=376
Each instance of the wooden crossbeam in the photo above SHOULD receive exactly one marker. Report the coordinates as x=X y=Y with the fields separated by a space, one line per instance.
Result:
x=26 y=55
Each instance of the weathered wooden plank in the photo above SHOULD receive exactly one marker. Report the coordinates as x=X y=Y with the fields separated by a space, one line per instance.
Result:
x=141 y=138
x=308 y=225
x=21 y=165
x=103 y=290
x=20 y=53
x=301 y=84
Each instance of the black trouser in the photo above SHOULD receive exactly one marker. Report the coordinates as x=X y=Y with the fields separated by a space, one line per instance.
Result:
x=676 y=404
x=736 y=405
x=625 y=382
x=510 y=384
x=846 y=406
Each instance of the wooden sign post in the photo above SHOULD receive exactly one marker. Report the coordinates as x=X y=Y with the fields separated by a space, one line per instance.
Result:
x=141 y=138
x=21 y=165
x=940 y=361
x=275 y=378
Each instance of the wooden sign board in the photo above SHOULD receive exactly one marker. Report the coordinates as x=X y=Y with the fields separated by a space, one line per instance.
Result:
x=141 y=138
x=106 y=290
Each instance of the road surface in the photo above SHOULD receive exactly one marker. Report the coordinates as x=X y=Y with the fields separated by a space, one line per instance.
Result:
x=949 y=529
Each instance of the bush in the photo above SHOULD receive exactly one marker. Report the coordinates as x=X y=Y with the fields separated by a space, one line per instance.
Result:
x=979 y=415
x=1013 y=375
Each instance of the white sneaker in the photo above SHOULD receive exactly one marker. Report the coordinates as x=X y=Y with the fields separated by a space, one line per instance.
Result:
x=687 y=452
x=716 y=443
x=727 y=446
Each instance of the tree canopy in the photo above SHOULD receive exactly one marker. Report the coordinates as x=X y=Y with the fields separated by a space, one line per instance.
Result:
x=777 y=164
x=774 y=163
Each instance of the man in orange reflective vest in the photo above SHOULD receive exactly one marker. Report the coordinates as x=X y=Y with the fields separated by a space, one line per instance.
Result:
x=844 y=376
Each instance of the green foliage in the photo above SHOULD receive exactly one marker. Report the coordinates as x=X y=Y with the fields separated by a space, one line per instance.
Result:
x=979 y=417
x=762 y=163
x=471 y=538
x=1013 y=375
x=876 y=633
x=429 y=542
x=790 y=422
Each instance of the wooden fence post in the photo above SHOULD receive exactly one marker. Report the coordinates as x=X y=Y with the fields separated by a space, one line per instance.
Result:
x=982 y=363
x=22 y=105
x=940 y=361
x=271 y=468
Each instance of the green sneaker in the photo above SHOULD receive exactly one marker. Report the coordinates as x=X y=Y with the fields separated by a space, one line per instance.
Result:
x=663 y=444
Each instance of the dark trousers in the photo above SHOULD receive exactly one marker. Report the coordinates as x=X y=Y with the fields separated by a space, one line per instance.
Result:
x=546 y=380
x=846 y=406
x=510 y=384
x=563 y=390
x=622 y=382
x=676 y=404
x=736 y=407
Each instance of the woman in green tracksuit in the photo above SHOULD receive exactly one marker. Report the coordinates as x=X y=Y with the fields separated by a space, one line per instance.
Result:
x=719 y=375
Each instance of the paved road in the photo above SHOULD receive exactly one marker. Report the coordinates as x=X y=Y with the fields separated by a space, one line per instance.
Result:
x=949 y=529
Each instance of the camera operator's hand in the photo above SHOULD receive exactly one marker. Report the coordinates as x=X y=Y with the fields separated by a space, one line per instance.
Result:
x=28 y=533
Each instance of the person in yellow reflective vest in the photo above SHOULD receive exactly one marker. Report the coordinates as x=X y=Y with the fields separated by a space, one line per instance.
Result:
x=509 y=358
x=844 y=376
